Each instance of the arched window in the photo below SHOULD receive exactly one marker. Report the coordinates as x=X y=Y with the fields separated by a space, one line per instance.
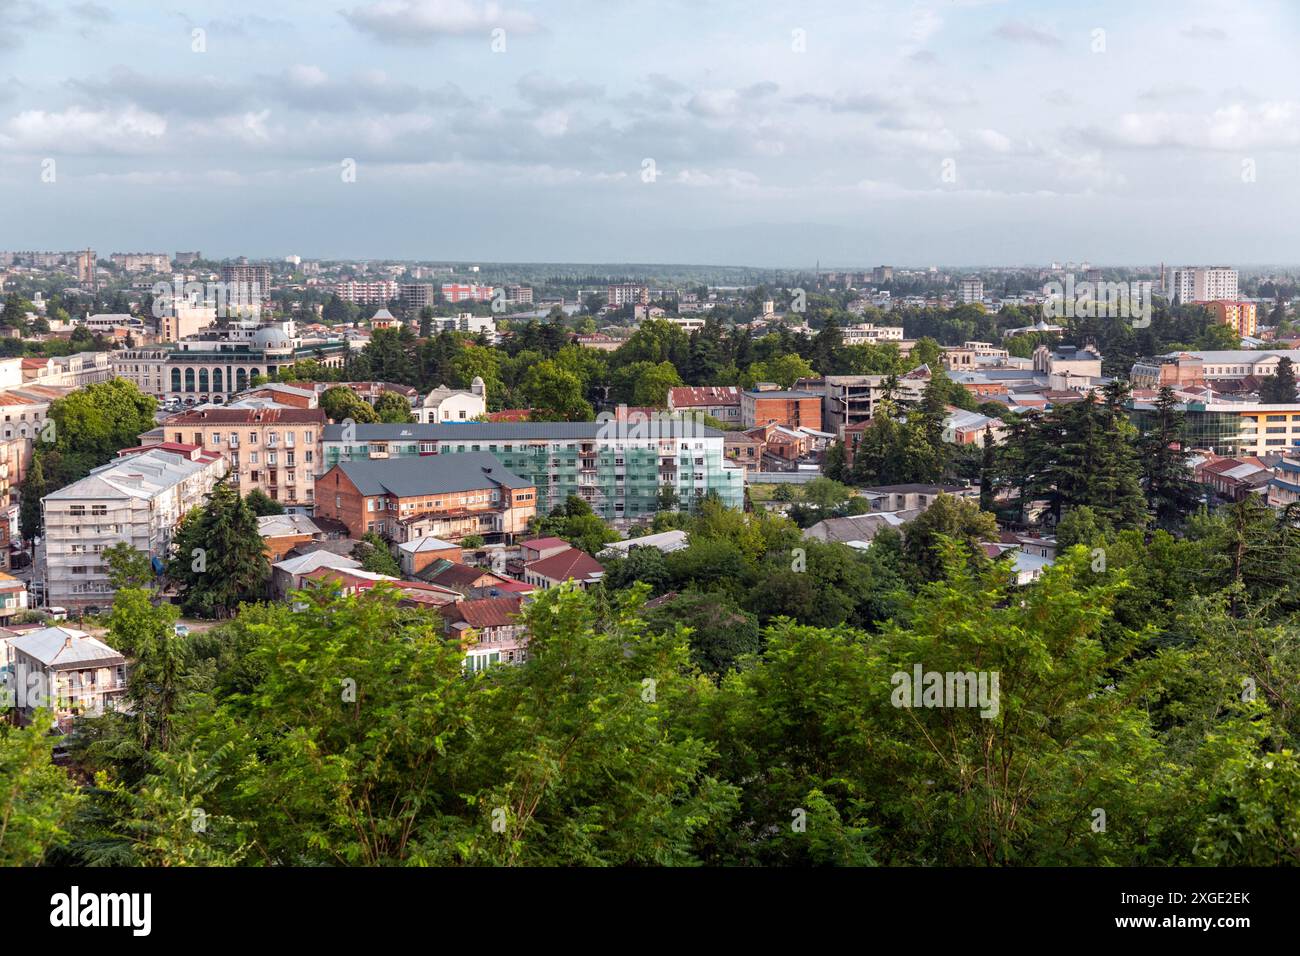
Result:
x=176 y=380
x=203 y=380
x=241 y=379
x=189 y=380
x=217 y=380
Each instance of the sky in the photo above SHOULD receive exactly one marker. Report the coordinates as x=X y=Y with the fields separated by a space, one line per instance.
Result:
x=845 y=132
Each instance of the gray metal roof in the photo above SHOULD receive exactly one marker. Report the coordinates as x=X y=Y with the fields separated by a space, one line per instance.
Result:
x=522 y=431
x=64 y=647
x=429 y=475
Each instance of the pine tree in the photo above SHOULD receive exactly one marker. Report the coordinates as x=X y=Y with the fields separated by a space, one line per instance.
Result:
x=1280 y=387
x=218 y=557
x=1171 y=492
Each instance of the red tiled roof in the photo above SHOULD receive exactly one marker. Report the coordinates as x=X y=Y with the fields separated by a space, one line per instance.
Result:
x=566 y=566
x=484 y=612
x=541 y=544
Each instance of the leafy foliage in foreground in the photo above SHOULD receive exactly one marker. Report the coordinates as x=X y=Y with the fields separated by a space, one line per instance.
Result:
x=347 y=732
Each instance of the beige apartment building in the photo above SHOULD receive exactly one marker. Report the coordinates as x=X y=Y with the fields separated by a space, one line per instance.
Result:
x=275 y=449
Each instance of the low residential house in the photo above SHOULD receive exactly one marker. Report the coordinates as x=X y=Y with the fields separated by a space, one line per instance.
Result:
x=490 y=631
x=444 y=496
x=465 y=579
x=571 y=565
x=13 y=596
x=1040 y=546
x=445 y=405
x=665 y=541
x=912 y=497
x=857 y=531
x=745 y=449
x=418 y=553
x=282 y=533
x=1235 y=478
x=971 y=428
x=138 y=499
x=534 y=549
x=292 y=573
x=1028 y=568
x=67 y=672
x=348 y=582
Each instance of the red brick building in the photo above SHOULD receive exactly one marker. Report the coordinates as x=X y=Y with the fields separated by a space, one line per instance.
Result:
x=443 y=496
x=790 y=408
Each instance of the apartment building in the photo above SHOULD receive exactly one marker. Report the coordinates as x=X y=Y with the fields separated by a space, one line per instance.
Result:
x=378 y=292
x=970 y=290
x=142 y=261
x=138 y=498
x=1202 y=284
x=67 y=672
x=68 y=371
x=443 y=497
x=415 y=295
x=1238 y=316
x=466 y=292
x=627 y=293
x=519 y=295
x=278 y=450
x=251 y=281
x=619 y=468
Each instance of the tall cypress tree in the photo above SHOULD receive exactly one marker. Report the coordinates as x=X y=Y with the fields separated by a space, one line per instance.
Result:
x=1171 y=492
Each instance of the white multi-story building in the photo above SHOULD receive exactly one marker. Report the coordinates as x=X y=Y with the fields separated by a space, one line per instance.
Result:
x=368 y=293
x=971 y=290
x=627 y=293
x=865 y=333
x=1203 y=284
x=139 y=498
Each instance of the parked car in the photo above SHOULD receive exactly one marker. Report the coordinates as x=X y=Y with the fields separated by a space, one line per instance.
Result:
x=182 y=630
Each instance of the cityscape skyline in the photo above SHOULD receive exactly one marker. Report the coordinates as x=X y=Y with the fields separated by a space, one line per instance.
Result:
x=907 y=133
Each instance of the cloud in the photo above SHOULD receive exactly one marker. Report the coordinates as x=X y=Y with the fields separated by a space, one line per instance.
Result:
x=84 y=131
x=543 y=91
x=19 y=16
x=1170 y=91
x=92 y=13
x=420 y=21
x=1017 y=31
x=1273 y=125
x=1197 y=31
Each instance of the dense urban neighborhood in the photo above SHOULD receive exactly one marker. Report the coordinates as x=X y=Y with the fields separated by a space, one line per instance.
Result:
x=371 y=542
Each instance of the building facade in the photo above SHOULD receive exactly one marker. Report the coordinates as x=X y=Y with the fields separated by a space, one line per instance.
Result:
x=276 y=450
x=618 y=468
x=409 y=498
x=138 y=499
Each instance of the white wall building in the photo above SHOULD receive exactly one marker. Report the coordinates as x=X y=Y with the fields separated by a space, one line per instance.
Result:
x=139 y=498
x=444 y=404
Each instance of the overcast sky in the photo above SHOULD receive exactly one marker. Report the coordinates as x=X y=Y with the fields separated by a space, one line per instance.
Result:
x=850 y=132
